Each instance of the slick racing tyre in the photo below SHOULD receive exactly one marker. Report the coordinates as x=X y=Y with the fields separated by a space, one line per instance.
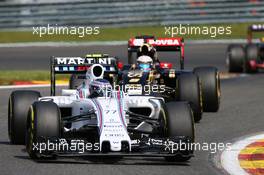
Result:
x=18 y=106
x=189 y=89
x=43 y=122
x=75 y=81
x=210 y=83
x=235 y=58
x=252 y=53
x=179 y=123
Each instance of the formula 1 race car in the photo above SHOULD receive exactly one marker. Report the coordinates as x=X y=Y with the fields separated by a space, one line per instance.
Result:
x=248 y=58
x=96 y=120
x=200 y=87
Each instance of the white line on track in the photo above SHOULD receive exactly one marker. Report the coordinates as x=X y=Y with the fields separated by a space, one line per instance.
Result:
x=63 y=44
x=229 y=158
x=28 y=86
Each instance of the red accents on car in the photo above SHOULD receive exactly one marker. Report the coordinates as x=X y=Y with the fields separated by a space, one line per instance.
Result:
x=120 y=65
x=82 y=68
x=165 y=65
x=253 y=64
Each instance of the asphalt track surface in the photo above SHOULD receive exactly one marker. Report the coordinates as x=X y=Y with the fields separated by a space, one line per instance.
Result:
x=241 y=113
x=38 y=58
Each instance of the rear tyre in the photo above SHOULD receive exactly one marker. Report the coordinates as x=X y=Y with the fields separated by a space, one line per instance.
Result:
x=252 y=54
x=18 y=105
x=44 y=122
x=189 y=89
x=210 y=82
x=235 y=58
x=75 y=81
x=179 y=123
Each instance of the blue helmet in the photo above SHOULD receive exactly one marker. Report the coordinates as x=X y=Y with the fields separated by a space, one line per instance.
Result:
x=144 y=63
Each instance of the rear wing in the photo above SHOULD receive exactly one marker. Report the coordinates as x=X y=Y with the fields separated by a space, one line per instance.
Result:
x=252 y=29
x=161 y=44
x=79 y=65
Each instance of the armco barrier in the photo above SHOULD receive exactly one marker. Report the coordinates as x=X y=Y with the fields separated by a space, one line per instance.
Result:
x=28 y=13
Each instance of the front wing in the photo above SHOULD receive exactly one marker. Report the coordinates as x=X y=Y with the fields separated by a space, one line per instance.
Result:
x=144 y=147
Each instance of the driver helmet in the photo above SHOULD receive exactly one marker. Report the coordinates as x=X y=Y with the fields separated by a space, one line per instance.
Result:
x=100 y=88
x=148 y=50
x=144 y=63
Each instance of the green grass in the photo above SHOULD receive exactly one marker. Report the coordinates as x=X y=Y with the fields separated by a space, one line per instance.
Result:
x=239 y=30
x=7 y=77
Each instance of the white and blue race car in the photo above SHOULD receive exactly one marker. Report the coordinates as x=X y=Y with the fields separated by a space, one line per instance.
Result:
x=97 y=120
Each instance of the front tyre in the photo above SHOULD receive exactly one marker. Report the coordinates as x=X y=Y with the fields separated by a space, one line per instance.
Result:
x=44 y=122
x=189 y=89
x=179 y=123
x=235 y=58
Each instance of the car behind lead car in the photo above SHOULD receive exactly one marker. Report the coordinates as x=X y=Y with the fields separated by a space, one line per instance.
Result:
x=200 y=86
x=114 y=123
x=248 y=58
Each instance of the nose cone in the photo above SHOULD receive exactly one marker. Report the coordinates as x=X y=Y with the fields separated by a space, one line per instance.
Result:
x=115 y=145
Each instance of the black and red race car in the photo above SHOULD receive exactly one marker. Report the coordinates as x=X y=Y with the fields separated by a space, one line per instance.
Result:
x=200 y=86
x=248 y=58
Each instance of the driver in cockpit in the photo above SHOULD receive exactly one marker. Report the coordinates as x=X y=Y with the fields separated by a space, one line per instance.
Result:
x=95 y=88
x=146 y=57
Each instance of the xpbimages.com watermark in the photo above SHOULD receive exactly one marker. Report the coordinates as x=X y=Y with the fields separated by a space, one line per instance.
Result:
x=139 y=88
x=75 y=145
x=79 y=31
x=82 y=146
x=187 y=29
x=196 y=146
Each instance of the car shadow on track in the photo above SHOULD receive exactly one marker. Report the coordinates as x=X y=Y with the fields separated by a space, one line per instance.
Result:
x=114 y=161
